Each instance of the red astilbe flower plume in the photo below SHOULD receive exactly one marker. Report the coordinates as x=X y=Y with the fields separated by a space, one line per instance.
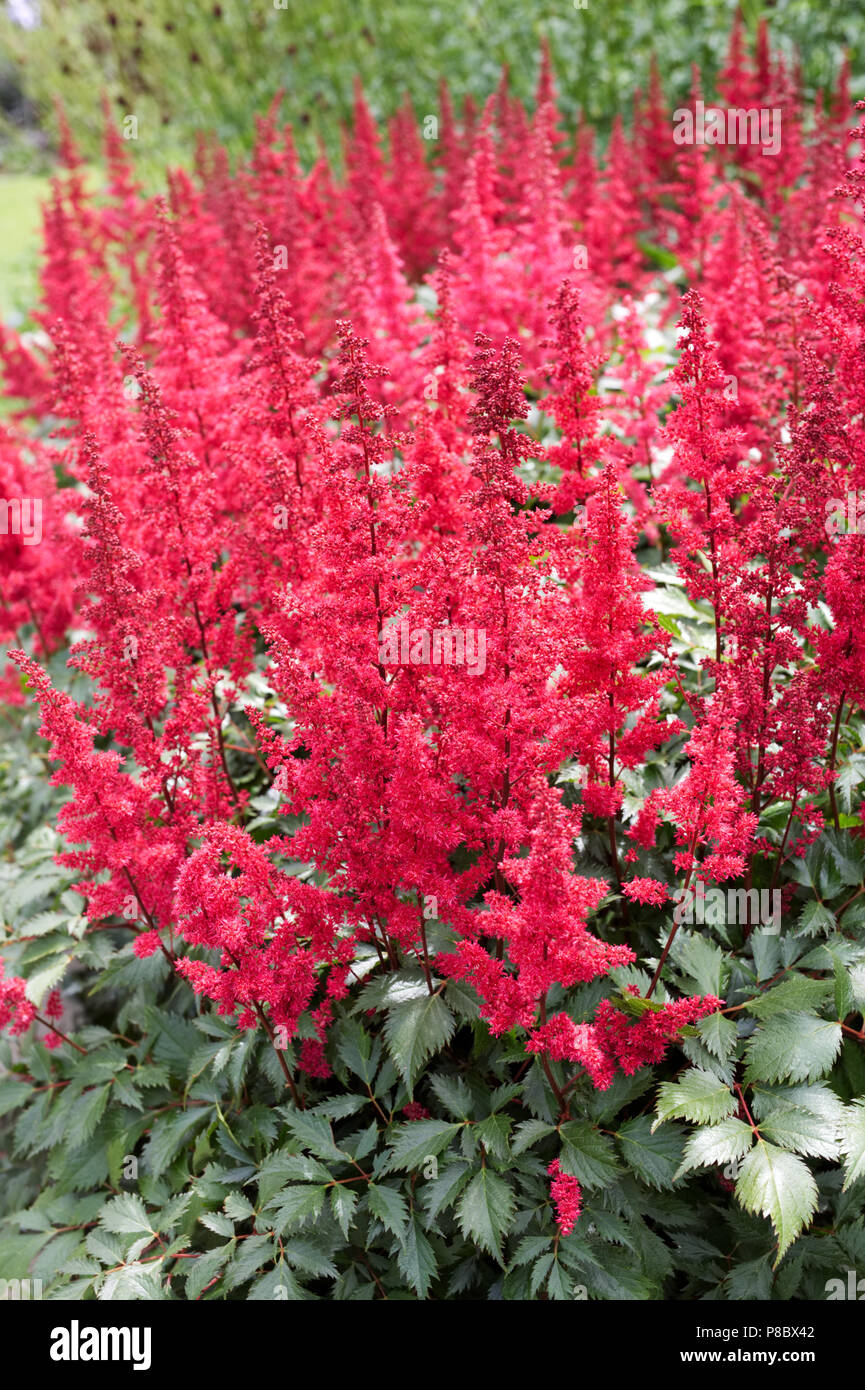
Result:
x=273 y=932
x=562 y=1039
x=121 y=222
x=644 y=1042
x=484 y=293
x=35 y=585
x=646 y=890
x=196 y=360
x=543 y=926
x=275 y=489
x=132 y=850
x=614 y=221
x=545 y=933
x=379 y=302
x=694 y=194
x=615 y=706
x=654 y=140
x=410 y=205
x=708 y=805
x=16 y=1011
x=566 y=1196
x=633 y=412
x=541 y=233
x=435 y=456
x=704 y=449
x=507 y=723
x=574 y=402
x=367 y=185
x=126 y=655
x=378 y=816
x=616 y=1040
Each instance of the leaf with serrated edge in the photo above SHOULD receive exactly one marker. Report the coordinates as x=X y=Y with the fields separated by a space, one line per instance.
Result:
x=723 y=1143
x=799 y=993
x=853 y=1142
x=416 y=1140
x=800 y=1046
x=718 y=1034
x=817 y=1100
x=486 y=1210
x=343 y=1202
x=794 y=1129
x=416 y=1259
x=527 y=1133
x=654 y=1157
x=389 y=1206
x=125 y=1214
x=699 y=1097
x=778 y=1185
x=414 y=1030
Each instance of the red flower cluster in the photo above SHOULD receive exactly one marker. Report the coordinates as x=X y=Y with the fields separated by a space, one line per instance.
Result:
x=348 y=520
x=567 y=1197
x=16 y=1011
x=615 y=1041
x=635 y=1044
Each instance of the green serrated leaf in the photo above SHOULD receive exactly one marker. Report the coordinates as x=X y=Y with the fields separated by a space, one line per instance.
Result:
x=528 y=1133
x=799 y=992
x=453 y=1093
x=295 y=1205
x=702 y=960
x=493 y=1132
x=200 y=1272
x=389 y=1206
x=486 y=1210
x=718 y=1034
x=416 y=1258
x=654 y=1157
x=778 y=1185
x=588 y=1155
x=168 y=1136
x=441 y=1192
x=417 y=1140
x=722 y=1143
x=415 y=1030
x=314 y=1133
x=796 y=1130
x=238 y=1207
x=343 y=1202
x=815 y=918
x=124 y=1214
x=217 y=1222
x=853 y=1142
x=800 y=1046
x=699 y=1097
x=845 y=1001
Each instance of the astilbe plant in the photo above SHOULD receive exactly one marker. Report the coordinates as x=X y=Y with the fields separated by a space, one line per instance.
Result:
x=430 y=601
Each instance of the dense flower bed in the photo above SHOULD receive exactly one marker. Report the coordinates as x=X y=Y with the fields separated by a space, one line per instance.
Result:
x=463 y=556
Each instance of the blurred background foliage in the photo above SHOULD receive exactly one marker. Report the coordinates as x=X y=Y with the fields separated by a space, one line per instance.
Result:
x=183 y=66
